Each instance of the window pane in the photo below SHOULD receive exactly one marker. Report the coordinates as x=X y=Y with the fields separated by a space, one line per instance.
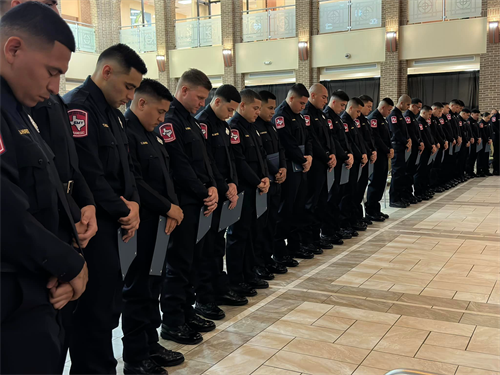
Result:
x=425 y=10
x=366 y=14
x=333 y=16
x=463 y=8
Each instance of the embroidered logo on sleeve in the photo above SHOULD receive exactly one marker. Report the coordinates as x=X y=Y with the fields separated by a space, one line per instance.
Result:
x=358 y=124
x=2 y=146
x=460 y=123
x=429 y=121
x=441 y=121
x=421 y=126
x=204 y=130
x=346 y=127
x=280 y=122
x=167 y=132
x=394 y=119
x=493 y=119
x=448 y=116
x=408 y=119
x=308 y=120
x=373 y=123
x=330 y=124
x=235 y=137
x=79 y=122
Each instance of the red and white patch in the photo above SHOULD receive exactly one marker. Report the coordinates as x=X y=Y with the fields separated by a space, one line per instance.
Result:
x=441 y=121
x=373 y=123
x=408 y=119
x=235 y=137
x=330 y=124
x=346 y=127
x=308 y=120
x=394 y=119
x=79 y=122
x=460 y=123
x=493 y=119
x=279 y=122
x=167 y=132
x=358 y=124
x=421 y=126
x=429 y=121
x=2 y=146
x=204 y=130
x=448 y=116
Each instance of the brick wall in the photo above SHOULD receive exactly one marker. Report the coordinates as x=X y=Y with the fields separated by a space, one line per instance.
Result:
x=107 y=21
x=231 y=21
x=303 y=24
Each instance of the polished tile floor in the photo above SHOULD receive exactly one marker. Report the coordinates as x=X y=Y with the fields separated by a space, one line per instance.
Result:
x=419 y=291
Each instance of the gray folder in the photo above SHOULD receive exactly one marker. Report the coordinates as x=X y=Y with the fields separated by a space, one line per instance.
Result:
x=487 y=148
x=260 y=203
x=298 y=167
x=160 y=251
x=229 y=217
x=344 y=177
x=450 y=149
x=458 y=147
x=417 y=162
x=442 y=157
x=126 y=251
x=204 y=225
x=431 y=158
x=360 y=171
x=407 y=154
x=479 y=147
x=330 y=179
x=370 y=169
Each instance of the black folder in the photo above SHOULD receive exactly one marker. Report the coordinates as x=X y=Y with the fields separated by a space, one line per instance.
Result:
x=298 y=167
x=344 y=177
x=160 y=251
x=330 y=178
x=417 y=162
x=273 y=163
x=126 y=251
x=204 y=225
x=360 y=171
x=260 y=203
x=407 y=154
x=229 y=217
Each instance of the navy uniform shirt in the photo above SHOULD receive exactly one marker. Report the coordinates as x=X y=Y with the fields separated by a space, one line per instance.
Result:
x=495 y=124
x=398 y=128
x=446 y=126
x=151 y=168
x=437 y=131
x=380 y=130
x=271 y=144
x=366 y=133
x=338 y=130
x=217 y=134
x=193 y=169
x=355 y=138
x=248 y=152
x=425 y=132
x=322 y=141
x=102 y=146
x=413 y=129
x=31 y=194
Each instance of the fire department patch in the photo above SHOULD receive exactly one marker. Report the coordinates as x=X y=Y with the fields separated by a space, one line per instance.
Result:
x=421 y=126
x=279 y=122
x=429 y=121
x=408 y=119
x=79 y=122
x=441 y=121
x=493 y=119
x=204 y=130
x=373 y=123
x=167 y=132
x=448 y=116
x=235 y=137
x=2 y=146
x=460 y=123
x=358 y=124
x=394 y=119
x=308 y=120
x=346 y=127
x=330 y=124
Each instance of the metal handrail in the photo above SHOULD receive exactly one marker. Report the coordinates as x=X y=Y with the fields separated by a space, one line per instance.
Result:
x=267 y=9
x=408 y=372
x=80 y=23
x=137 y=25
x=197 y=18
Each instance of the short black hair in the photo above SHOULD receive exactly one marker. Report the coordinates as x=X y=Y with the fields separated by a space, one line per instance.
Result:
x=340 y=95
x=445 y=104
x=125 y=56
x=387 y=101
x=462 y=104
x=485 y=114
x=465 y=110
x=437 y=105
x=426 y=108
x=229 y=93
x=455 y=102
x=299 y=90
x=249 y=96
x=196 y=78
x=266 y=96
x=155 y=89
x=475 y=110
x=365 y=99
x=416 y=101
x=38 y=22
x=356 y=102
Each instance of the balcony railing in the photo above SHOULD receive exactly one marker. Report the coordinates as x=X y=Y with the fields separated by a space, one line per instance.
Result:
x=198 y=32
x=84 y=35
x=139 y=37
x=349 y=15
x=441 y=10
x=269 y=23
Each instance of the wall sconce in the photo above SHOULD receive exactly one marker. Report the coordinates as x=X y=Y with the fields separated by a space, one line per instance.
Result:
x=303 y=51
x=390 y=42
x=227 y=54
x=161 y=62
x=493 y=32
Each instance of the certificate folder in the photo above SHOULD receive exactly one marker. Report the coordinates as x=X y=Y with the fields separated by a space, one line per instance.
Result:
x=344 y=177
x=126 y=251
x=204 y=224
x=407 y=154
x=260 y=203
x=160 y=251
x=330 y=178
x=273 y=163
x=298 y=167
x=229 y=217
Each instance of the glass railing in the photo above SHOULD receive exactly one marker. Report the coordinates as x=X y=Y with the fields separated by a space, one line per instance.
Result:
x=198 y=32
x=84 y=35
x=269 y=23
x=440 y=10
x=349 y=15
x=139 y=37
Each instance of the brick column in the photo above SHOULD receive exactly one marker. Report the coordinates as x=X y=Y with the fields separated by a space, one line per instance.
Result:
x=107 y=21
x=303 y=22
x=489 y=94
x=231 y=25
x=165 y=37
x=393 y=72
x=62 y=81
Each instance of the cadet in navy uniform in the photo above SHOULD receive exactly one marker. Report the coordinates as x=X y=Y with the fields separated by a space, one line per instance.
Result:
x=449 y=160
x=448 y=132
x=442 y=144
x=378 y=180
x=269 y=259
x=40 y=269
x=253 y=174
x=467 y=140
x=142 y=354
x=292 y=133
x=416 y=146
x=423 y=169
x=473 y=156
x=401 y=142
x=371 y=151
x=486 y=133
x=334 y=228
x=213 y=123
x=102 y=146
x=196 y=186
x=349 y=191
x=495 y=126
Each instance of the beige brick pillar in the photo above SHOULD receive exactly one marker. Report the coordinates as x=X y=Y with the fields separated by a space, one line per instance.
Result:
x=393 y=72
x=106 y=17
x=303 y=25
x=165 y=37
x=62 y=81
x=231 y=22
x=489 y=93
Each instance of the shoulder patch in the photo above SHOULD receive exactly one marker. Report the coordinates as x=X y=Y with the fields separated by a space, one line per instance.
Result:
x=429 y=121
x=2 y=146
x=373 y=123
x=346 y=127
x=408 y=119
x=421 y=126
x=167 y=132
x=493 y=119
x=448 y=116
x=204 y=130
x=358 y=124
x=460 y=123
x=330 y=124
x=441 y=121
x=308 y=120
x=394 y=119
x=235 y=137
x=79 y=122
x=279 y=122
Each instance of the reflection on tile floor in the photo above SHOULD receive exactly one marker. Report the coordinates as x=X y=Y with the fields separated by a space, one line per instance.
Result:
x=401 y=295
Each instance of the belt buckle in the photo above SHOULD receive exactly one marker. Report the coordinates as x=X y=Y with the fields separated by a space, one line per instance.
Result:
x=69 y=186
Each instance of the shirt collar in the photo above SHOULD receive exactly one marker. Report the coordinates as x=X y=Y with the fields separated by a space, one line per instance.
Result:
x=96 y=94
x=183 y=112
